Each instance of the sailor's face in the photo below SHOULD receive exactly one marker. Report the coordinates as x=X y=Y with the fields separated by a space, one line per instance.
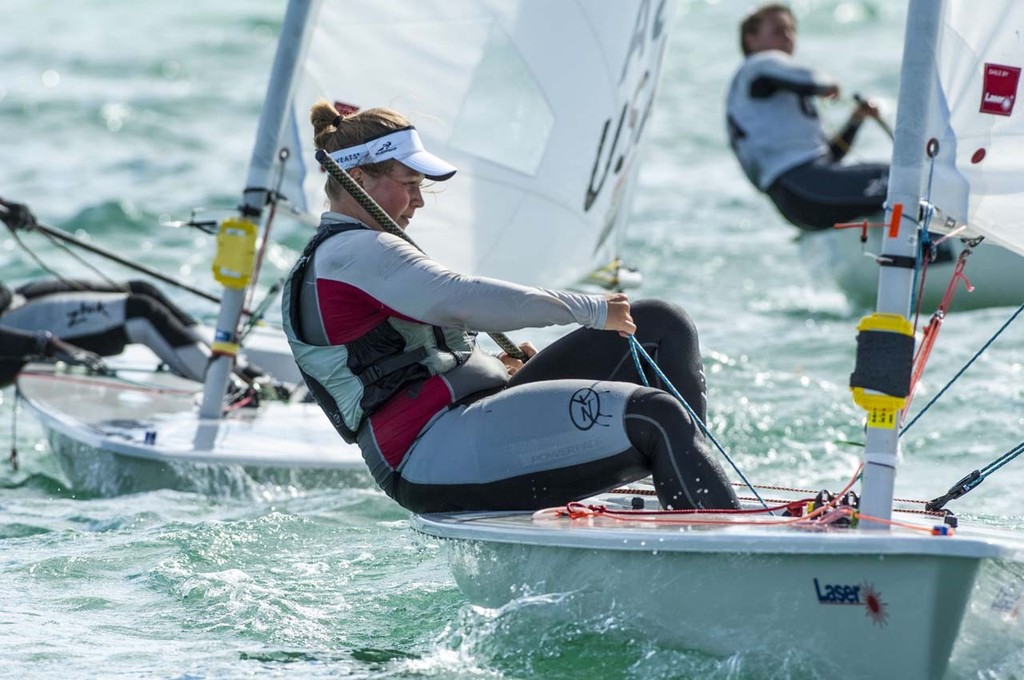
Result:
x=776 y=32
x=397 y=192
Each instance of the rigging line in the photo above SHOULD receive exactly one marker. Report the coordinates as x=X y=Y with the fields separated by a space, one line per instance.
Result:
x=261 y=310
x=963 y=370
x=35 y=258
x=973 y=479
x=921 y=267
x=390 y=226
x=264 y=244
x=102 y=252
x=1002 y=460
x=931 y=331
x=926 y=213
x=637 y=350
x=85 y=263
x=272 y=199
x=13 y=457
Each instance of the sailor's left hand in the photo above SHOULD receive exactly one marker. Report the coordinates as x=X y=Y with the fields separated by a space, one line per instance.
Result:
x=513 y=365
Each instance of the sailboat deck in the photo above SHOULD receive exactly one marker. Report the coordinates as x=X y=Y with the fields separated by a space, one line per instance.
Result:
x=710 y=532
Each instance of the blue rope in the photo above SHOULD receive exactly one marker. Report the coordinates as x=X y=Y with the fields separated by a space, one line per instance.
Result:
x=1001 y=461
x=637 y=350
x=973 y=479
x=964 y=369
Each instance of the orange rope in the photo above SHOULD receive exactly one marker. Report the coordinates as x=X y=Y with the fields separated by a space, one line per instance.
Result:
x=904 y=525
x=818 y=518
x=931 y=331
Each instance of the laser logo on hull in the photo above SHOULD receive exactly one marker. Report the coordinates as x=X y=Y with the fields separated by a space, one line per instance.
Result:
x=863 y=594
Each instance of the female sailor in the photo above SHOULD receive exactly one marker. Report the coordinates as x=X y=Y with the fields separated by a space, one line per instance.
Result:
x=385 y=338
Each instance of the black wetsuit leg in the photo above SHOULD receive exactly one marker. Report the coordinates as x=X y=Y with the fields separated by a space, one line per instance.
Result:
x=38 y=288
x=663 y=329
x=819 y=194
x=16 y=349
x=142 y=301
x=685 y=472
x=659 y=428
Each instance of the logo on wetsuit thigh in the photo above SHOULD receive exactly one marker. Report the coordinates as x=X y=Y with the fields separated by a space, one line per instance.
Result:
x=85 y=311
x=585 y=409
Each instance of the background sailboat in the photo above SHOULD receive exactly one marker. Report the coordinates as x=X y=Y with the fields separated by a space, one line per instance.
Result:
x=149 y=431
x=995 y=273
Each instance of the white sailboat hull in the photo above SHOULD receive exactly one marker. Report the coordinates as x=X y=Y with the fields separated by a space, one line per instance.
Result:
x=997 y=274
x=898 y=601
x=111 y=436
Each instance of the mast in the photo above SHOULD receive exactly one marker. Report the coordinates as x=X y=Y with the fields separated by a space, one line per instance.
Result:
x=906 y=177
x=236 y=239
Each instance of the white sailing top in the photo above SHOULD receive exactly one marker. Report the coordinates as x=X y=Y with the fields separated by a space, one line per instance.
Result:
x=771 y=117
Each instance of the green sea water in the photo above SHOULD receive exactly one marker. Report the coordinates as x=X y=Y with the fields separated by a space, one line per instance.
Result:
x=116 y=116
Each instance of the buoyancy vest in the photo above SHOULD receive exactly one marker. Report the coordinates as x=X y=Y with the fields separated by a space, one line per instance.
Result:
x=352 y=380
x=775 y=132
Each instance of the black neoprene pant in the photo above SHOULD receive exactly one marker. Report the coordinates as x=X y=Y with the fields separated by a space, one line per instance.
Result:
x=662 y=433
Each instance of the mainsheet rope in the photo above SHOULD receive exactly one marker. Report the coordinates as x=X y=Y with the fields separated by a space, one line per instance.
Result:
x=637 y=350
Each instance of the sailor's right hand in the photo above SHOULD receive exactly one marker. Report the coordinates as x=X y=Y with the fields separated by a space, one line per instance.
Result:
x=866 y=108
x=512 y=365
x=68 y=353
x=831 y=92
x=619 y=318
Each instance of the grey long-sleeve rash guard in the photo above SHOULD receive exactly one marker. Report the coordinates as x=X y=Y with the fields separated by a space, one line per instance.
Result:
x=398 y=276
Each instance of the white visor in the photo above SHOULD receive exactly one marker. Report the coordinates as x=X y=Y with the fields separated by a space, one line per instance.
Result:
x=402 y=145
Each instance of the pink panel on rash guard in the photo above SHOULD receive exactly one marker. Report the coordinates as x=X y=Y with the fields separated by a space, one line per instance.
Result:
x=348 y=312
x=397 y=423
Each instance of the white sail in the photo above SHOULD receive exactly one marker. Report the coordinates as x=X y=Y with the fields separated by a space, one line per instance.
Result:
x=540 y=104
x=975 y=116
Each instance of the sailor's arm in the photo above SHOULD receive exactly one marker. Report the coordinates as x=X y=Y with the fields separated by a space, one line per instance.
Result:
x=416 y=286
x=840 y=144
x=773 y=73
